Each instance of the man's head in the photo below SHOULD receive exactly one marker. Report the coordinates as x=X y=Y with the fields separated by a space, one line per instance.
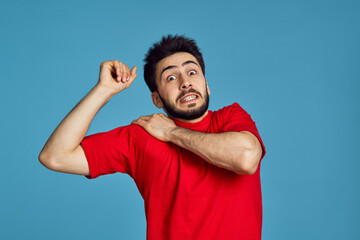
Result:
x=174 y=72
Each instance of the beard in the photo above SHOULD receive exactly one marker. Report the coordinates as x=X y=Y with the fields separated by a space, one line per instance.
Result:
x=190 y=114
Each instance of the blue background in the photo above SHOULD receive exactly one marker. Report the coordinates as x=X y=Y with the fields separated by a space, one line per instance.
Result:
x=293 y=65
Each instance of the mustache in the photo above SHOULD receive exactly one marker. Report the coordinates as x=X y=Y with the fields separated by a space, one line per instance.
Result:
x=191 y=90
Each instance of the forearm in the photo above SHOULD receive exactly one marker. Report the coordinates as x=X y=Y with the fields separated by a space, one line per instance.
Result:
x=71 y=131
x=235 y=151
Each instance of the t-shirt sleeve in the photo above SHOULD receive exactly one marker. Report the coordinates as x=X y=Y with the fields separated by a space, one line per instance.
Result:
x=110 y=152
x=237 y=119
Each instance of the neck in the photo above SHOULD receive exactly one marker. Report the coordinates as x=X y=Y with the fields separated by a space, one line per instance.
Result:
x=192 y=120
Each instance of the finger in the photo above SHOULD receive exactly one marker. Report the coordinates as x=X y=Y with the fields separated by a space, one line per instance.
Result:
x=124 y=72
x=146 y=118
x=127 y=74
x=117 y=68
x=133 y=74
x=133 y=71
x=163 y=116
x=139 y=122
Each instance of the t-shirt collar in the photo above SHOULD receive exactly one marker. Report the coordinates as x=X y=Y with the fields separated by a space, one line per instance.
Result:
x=201 y=126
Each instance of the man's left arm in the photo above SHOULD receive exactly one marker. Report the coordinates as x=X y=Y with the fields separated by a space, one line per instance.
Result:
x=239 y=152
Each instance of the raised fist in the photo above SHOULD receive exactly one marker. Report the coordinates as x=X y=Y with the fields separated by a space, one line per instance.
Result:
x=116 y=76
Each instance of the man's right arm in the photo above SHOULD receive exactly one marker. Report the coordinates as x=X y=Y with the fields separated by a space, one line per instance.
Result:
x=63 y=152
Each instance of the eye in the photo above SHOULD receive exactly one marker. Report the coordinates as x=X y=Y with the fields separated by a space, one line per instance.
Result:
x=171 y=78
x=192 y=72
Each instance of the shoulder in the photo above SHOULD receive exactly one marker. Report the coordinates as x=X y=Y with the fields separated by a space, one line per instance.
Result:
x=129 y=132
x=229 y=111
x=132 y=132
x=132 y=128
x=233 y=107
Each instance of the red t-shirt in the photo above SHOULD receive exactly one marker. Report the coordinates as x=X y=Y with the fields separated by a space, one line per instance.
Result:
x=185 y=197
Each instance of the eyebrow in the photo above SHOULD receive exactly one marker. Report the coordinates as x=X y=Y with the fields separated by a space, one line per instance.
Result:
x=173 y=66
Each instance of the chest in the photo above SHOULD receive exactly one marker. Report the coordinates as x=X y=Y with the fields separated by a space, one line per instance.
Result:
x=167 y=170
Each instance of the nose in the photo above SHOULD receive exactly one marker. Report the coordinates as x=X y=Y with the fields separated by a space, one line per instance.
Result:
x=185 y=83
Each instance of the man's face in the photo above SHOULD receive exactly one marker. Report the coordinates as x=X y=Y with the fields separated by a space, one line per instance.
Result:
x=181 y=87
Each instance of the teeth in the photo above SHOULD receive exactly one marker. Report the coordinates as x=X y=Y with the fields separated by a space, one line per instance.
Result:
x=188 y=98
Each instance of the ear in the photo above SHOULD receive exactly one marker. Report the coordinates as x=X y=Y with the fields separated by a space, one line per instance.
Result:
x=156 y=99
x=207 y=88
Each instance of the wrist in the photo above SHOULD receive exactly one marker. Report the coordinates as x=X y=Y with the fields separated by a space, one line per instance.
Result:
x=103 y=92
x=173 y=134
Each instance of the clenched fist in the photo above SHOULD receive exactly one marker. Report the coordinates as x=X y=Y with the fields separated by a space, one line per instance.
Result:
x=115 y=76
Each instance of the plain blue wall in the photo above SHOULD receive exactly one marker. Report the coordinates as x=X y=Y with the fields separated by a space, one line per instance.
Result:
x=293 y=65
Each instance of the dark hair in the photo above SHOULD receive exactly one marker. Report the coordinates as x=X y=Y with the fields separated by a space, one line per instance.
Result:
x=167 y=46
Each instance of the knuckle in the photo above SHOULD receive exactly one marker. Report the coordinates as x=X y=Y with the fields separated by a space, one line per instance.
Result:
x=116 y=63
x=103 y=63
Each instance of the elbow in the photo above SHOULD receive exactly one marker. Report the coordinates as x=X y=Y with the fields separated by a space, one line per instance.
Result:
x=251 y=169
x=42 y=157
x=246 y=170
x=248 y=162
x=47 y=160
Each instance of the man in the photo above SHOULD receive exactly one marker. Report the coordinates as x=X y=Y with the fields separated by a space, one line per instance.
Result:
x=197 y=170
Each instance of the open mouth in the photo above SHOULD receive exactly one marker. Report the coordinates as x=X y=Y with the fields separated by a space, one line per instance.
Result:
x=189 y=98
